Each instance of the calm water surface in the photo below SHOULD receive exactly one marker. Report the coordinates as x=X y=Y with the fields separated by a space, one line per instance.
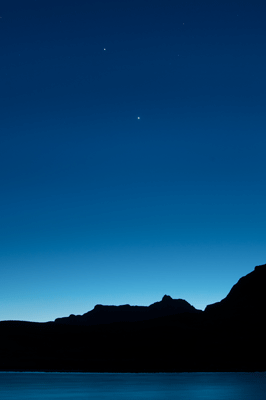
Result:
x=184 y=386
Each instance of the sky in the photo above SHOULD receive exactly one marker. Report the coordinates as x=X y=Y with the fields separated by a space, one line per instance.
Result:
x=132 y=152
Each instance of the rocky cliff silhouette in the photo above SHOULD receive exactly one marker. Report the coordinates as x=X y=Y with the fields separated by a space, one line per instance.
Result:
x=170 y=335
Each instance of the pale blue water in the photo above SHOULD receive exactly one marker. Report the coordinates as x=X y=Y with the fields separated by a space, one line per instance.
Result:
x=184 y=386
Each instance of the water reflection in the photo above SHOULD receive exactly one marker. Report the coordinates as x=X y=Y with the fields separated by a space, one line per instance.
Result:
x=184 y=386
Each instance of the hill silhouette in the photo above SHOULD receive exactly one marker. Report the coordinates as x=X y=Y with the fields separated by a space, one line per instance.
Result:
x=170 y=335
x=108 y=314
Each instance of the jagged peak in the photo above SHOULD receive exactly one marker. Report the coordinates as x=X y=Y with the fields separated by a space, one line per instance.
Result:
x=166 y=297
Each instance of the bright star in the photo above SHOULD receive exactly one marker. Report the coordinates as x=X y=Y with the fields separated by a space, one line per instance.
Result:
x=138 y=117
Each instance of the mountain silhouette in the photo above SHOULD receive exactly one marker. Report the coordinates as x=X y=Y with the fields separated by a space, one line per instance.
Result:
x=167 y=336
x=125 y=313
x=247 y=296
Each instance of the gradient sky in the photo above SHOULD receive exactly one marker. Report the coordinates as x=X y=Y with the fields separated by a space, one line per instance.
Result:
x=132 y=152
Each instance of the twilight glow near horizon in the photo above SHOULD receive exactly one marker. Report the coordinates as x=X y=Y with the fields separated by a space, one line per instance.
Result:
x=132 y=152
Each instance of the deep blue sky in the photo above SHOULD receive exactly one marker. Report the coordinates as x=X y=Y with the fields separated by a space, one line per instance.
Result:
x=98 y=206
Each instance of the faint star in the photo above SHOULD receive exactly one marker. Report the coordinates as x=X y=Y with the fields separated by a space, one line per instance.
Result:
x=138 y=117
x=104 y=48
